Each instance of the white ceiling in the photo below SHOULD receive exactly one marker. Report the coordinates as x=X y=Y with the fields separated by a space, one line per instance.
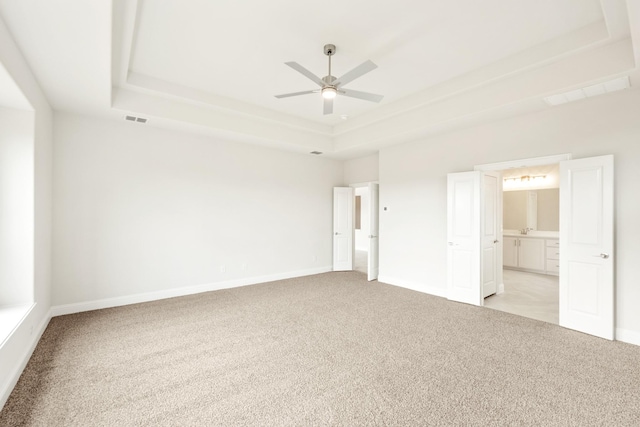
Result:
x=214 y=66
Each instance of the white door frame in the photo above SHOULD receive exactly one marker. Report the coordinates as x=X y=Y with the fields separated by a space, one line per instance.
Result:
x=377 y=255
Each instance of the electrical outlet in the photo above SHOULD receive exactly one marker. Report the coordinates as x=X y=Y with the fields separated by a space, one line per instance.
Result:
x=315 y=258
x=223 y=269
x=244 y=266
x=31 y=330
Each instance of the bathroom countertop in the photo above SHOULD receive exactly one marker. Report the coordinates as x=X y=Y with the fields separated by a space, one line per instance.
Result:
x=533 y=233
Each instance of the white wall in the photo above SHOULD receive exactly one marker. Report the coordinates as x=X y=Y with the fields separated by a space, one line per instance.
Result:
x=140 y=210
x=413 y=186
x=364 y=169
x=16 y=207
x=16 y=349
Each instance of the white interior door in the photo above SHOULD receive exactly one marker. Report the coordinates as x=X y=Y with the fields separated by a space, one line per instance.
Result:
x=373 y=260
x=343 y=215
x=491 y=230
x=463 y=237
x=586 y=246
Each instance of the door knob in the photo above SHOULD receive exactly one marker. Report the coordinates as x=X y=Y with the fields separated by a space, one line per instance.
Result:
x=495 y=241
x=336 y=233
x=603 y=255
x=372 y=236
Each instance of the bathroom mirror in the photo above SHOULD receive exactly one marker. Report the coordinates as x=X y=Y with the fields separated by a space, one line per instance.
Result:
x=533 y=209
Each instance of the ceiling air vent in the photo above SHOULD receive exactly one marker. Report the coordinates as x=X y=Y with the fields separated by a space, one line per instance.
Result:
x=316 y=152
x=135 y=119
x=589 y=91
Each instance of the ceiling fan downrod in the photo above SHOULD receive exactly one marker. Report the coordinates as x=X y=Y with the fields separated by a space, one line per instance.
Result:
x=329 y=50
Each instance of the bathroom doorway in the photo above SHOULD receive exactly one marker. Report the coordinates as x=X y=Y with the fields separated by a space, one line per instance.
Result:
x=530 y=243
x=362 y=210
x=585 y=243
x=361 y=206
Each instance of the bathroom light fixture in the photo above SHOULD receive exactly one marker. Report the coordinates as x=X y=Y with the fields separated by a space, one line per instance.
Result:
x=524 y=180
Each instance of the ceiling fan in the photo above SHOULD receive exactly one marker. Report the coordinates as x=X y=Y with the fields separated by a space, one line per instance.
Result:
x=330 y=86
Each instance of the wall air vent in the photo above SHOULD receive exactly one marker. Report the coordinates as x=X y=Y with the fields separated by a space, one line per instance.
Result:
x=316 y=152
x=135 y=119
x=589 y=91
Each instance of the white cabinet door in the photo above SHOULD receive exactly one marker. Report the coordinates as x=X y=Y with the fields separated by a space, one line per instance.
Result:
x=531 y=254
x=510 y=251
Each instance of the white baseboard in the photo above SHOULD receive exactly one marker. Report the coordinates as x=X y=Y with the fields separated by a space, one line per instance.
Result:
x=630 y=337
x=13 y=378
x=61 y=310
x=414 y=286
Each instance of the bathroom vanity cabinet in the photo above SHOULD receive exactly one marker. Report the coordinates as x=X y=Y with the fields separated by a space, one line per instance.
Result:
x=530 y=253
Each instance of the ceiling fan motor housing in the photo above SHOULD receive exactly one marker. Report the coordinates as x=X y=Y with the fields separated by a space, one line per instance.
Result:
x=329 y=79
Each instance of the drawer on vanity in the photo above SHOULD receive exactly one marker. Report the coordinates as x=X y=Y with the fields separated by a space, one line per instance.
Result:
x=553 y=266
x=553 y=249
x=553 y=253
x=553 y=256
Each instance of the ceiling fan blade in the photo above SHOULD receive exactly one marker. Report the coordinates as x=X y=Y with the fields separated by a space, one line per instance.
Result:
x=360 y=70
x=328 y=106
x=361 y=95
x=287 y=95
x=308 y=74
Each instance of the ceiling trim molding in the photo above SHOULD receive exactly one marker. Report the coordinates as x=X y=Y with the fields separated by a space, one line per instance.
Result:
x=219 y=121
x=524 y=163
x=586 y=68
x=504 y=88
x=187 y=94
x=633 y=9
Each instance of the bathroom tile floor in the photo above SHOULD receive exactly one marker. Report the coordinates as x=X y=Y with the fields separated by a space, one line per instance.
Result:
x=527 y=294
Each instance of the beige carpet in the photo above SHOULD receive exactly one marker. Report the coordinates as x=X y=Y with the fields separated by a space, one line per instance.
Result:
x=331 y=349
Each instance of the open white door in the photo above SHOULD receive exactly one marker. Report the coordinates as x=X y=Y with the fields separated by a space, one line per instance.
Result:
x=373 y=260
x=473 y=230
x=463 y=237
x=491 y=231
x=586 y=246
x=343 y=228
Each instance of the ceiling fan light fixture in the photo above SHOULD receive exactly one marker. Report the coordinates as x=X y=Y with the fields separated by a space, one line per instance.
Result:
x=329 y=85
x=329 y=92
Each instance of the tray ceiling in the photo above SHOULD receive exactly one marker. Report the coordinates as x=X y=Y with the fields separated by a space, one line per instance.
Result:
x=214 y=67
